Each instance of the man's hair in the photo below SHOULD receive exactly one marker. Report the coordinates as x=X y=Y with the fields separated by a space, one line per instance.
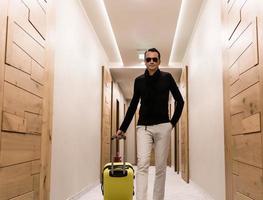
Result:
x=152 y=50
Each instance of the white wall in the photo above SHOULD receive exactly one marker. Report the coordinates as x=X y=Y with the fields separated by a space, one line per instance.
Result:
x=206 y=130
x=77 y=102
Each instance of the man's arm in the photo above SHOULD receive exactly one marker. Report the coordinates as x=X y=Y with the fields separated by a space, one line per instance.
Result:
x=131 y=110
x=179 y=102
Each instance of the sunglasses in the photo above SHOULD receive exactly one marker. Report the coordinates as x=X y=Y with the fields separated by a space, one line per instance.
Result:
x=155 y=59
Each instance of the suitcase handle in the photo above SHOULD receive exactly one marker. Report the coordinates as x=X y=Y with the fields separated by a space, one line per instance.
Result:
x=119 y=137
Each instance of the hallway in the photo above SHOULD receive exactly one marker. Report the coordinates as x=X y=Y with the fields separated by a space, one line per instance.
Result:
x=67 y=78
x=176 y=189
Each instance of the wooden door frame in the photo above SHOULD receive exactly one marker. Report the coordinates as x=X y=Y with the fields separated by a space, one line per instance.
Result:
x=103 y=71
x=118 y=157
x=185 y=176
x=176 y=149
x=46 y=140
x=136 y=116
x=227 y=125
x=3 y=36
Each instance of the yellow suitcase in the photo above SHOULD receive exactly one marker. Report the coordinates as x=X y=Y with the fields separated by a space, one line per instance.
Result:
x=118 y=179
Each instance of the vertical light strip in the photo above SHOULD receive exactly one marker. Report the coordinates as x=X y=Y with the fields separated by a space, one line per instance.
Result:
x=107 y=19
x=178 y=27
x=187 y=19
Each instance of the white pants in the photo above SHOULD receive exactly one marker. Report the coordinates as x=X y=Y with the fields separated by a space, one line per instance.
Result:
x=147 y=136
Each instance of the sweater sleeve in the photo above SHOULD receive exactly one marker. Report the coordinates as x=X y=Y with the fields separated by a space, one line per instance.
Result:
x=179 y=102
x=132 y=108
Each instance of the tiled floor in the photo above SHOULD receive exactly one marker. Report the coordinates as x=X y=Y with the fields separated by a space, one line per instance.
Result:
x=176 y=189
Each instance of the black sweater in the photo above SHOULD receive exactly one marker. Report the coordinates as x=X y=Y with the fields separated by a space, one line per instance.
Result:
x=154 y=93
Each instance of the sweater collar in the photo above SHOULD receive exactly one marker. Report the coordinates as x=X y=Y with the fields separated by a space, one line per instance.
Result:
x=154 y=76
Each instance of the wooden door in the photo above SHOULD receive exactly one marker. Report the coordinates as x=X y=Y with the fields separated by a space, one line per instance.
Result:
x=243 y=98
x=184 y=127
x=169 y=159
x=106 y=124
x=25 y=94
x=177 y=149
x=135 y=132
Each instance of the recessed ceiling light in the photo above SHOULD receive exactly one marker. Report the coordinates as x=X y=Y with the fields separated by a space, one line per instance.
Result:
x=141 y=56
x=140 y=53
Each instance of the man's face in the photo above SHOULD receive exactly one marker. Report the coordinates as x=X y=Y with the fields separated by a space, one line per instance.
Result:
x=152 y=61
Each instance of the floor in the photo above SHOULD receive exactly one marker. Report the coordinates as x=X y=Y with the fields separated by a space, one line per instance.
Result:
x=176 y=189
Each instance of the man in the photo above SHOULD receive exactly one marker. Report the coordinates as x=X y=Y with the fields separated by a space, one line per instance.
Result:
x=154 y=125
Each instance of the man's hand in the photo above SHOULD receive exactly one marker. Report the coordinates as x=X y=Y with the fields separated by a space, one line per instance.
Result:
x=119 y=133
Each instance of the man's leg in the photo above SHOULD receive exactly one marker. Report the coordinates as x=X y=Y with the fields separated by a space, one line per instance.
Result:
x=144 y=147
x=162 y=137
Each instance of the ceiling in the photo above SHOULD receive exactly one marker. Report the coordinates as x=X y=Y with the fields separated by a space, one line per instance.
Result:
x=142 y=24
x=126 y=26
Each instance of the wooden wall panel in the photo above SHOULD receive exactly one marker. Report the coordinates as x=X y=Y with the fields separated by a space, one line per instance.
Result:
x=251 y=124
x=43 y=4
x=37 y=16
x=244 y=81
x=36 y=166
x=15 y=180
x=235 y=167
x=36 y=186
x=25 y=41
x=239 y=196
x=14 y=123
x=18 y=101
x=247 y=102
x=249 y=181
x=18 y=58
x=26 y=12
x=243 y=99
x=229 y=4
x=23 y=81
x=247 y=17
x=25 y=96
x=28 y=196
x=30 y=123
x=242 y=43
x=234 y=17
x=19 y=148
x=33 y=123
x=247 y=149
x=37 y=73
